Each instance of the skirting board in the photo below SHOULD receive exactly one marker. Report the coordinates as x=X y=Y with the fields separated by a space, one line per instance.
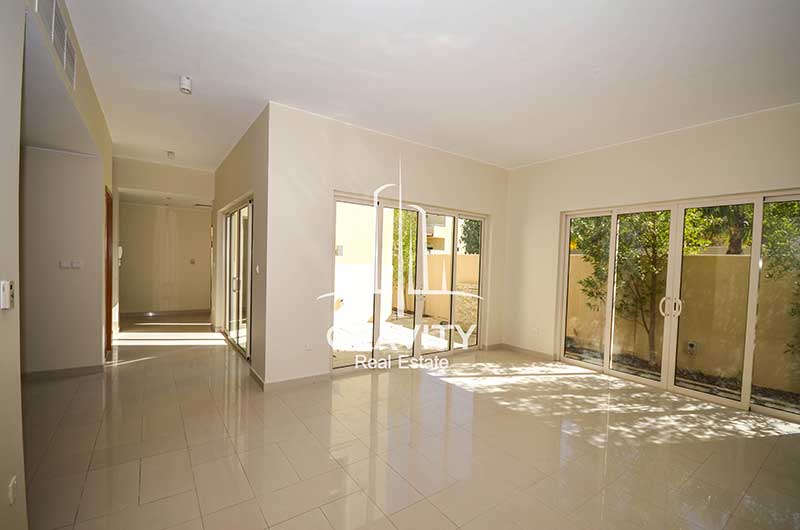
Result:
x=63 y=373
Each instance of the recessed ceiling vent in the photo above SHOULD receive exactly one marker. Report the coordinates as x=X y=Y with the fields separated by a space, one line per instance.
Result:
x=56 y=25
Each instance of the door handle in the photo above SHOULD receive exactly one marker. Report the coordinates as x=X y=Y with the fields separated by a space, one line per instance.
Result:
x=678 y=307
x=662 y=305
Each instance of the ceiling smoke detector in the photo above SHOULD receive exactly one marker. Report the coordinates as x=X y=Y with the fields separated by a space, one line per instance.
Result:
x=185 y=85
x=170 y=155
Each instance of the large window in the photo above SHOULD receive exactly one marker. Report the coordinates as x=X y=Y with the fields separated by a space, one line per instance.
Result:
x=398 y=292
x=698 y=297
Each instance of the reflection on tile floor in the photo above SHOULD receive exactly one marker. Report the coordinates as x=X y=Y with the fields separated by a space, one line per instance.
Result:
x=180 y=437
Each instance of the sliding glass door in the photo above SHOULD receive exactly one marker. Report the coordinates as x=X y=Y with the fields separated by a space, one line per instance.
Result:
x=466 y=301
x=712 y=299
x=398 y=291
x=776 y=360
x=354 y=283
x=238 y=245
x=640 y=292
x=701 y=298
x=587 y=286
x=437 y=303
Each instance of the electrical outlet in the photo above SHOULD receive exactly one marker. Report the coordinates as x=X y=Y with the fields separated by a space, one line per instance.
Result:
x=12 y=491
x=308 y=346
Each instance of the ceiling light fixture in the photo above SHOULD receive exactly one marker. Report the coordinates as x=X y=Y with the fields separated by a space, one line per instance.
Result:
x=185 y=85
x=170 y=155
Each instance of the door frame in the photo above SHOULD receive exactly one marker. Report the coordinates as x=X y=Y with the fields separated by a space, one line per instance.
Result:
x=109 y=281
x=669 y=355
x=227 y=237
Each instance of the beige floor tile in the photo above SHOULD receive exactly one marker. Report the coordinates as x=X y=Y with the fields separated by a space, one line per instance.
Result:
x=467 y=499
x=308 y=457
x=221 y=483
x=165 y=475
x=283 y=504
x=704 y=504
x=421 y=516
x=313 y=520
x=159 y=515
x=769 y=509
x=350 y=452
x=354 y=512
x=53 y=503
x=244 y=516
x=109 y=490
x=214 y=450
x=268 y=469
x=384 y=485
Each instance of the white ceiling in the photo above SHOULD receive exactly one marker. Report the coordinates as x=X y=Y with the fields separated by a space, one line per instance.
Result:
x=510 y=82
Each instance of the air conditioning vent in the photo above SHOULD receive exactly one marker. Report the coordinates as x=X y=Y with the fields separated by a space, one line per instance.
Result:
x=45 y=9
x=69 y=62
x=59 y=34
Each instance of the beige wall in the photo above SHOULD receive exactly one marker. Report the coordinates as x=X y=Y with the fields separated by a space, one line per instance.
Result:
x=243 y=174
x=749 y=153
x=62 y=219
x=12 y=26
x=311 y=157
x=163 y=178
x=160 y=243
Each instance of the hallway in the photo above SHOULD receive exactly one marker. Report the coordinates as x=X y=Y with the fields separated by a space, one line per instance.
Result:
x=181 y=437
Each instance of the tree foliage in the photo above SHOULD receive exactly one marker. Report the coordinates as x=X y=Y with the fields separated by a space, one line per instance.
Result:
x=470 y=236
x=780 y=254
x=643 y=254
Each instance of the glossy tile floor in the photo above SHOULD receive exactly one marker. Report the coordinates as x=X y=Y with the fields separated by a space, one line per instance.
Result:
x=179 y=437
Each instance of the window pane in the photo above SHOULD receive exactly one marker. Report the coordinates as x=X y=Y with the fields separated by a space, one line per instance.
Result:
x=776 y=368
x=436 y=303
x=715 y=275
x=244 y=274
x=640 y=285
x=466 y=303
x=398 y=279
x=353 y=282
x=587 y=277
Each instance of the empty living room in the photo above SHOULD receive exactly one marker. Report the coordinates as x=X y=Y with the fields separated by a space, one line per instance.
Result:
x=415 y=265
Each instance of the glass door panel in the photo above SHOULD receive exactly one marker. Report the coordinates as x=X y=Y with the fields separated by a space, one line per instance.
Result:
x=587 y=282
x=712 y=309
x=233 y=276
x=244 y=275
x=776 y=360
x=396 y=331
x=640 y=291
x=354 y=283
x=468 y=276
x=437 y=301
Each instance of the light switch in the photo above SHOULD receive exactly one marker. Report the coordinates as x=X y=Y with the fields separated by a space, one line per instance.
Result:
x=63 y=264
x=76 y=263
